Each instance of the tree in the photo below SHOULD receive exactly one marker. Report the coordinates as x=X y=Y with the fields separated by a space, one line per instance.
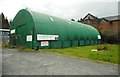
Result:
x=5 y=24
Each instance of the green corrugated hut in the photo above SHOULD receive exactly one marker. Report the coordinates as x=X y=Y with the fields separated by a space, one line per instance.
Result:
x=37 y=30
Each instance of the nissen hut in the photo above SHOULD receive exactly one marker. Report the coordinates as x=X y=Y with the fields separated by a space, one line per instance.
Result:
x=36 y=30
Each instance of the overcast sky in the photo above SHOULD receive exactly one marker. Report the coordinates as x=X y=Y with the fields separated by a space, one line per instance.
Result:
x=66 y=9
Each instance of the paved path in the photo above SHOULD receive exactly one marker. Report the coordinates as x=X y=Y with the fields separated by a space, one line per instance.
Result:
x=32 y=63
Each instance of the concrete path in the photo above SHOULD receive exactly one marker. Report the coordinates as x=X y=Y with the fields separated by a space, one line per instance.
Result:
x=32 y=63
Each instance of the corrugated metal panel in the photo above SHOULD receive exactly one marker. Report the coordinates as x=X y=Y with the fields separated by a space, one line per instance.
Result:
x=32 y=23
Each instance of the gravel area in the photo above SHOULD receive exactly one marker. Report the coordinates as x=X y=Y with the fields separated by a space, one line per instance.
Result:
x=33 y=63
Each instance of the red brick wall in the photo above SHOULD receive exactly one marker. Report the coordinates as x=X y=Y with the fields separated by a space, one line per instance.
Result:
x=91 y=22
x=111 y=28
x=114 y=26
x=103 y=26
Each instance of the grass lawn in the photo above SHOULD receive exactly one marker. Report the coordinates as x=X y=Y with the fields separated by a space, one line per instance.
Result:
x=110 y=54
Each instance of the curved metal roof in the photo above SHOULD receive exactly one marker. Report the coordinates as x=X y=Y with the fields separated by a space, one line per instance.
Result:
x=46 y=24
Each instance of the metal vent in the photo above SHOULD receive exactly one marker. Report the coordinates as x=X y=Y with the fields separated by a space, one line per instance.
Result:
x=51 y=19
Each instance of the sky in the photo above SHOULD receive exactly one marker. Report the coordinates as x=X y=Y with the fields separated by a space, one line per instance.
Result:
x=66 y=9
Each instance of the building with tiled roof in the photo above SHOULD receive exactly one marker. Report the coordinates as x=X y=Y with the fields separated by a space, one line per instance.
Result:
x=105 y=24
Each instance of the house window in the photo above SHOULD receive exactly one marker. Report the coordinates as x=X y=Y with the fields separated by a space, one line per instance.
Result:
x=89 y=21
x=111 y=23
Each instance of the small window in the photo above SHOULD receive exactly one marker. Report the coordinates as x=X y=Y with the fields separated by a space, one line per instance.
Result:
x=2 y=32
x=51 y=19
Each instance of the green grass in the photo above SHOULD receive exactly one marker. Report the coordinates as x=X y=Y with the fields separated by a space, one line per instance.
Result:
x=108 y=55
x=26 y=50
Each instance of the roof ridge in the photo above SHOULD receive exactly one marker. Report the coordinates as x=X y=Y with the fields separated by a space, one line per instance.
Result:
x=110 y=16
x=90 y=15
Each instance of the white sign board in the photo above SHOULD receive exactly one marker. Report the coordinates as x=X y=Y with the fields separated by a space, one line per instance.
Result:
x=47 y=37
x=29 y=38
x=12 y=31
x=44 y=43
x=99 y=37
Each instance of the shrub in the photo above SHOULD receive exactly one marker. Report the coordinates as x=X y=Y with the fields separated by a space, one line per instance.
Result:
x=111 y=39
x=6 y=45
x=102 y=48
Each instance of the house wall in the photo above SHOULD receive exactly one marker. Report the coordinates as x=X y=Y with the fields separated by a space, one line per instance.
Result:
x=104 y=26
x=114 y=26
x=91 y=22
